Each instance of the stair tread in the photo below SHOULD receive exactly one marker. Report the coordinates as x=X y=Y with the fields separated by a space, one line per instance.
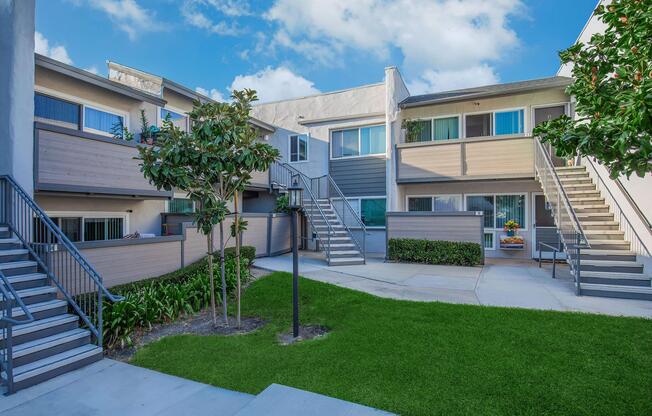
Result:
x=34 y=291
x=614 y=275
x=36 y=368
x=600 y=223
x=17 y=264
x=346 y=259
x=599 y=252
x=26 y=277
x=40 y=344
x=37 y=307
x=607 y=263
x=345 y=252
x=13 y=251
x=44 y=323
x=9 y=240
x=616 y=288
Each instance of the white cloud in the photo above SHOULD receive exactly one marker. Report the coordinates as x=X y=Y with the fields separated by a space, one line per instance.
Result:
x=194 y=14
x=93 y=70
x=127 y=15
x=273 y=84
x=213 y=93
x=435 y=37
x=58 y=52
x=433 y=81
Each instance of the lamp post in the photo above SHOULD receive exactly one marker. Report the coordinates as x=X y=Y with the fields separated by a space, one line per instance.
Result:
x=295 y=199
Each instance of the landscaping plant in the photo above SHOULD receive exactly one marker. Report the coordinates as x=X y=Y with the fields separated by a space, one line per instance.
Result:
x=613 y=91
x=434 y=252
x=210 y=164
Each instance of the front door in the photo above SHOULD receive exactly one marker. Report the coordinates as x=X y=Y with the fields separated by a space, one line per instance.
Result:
x=542 y=114
x=544 y=228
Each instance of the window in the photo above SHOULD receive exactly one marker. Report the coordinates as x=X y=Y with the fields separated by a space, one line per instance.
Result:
x=446 y=128
x=478 y=125
x=423 y=131
x=437 y=203
x=102 y=122
x=178 y=119
x=80 y=228
x=542 y=114
x=56 y=111
x=298 y=148
x=103 y=229
x=498 y=209
x=373 y=212
x=420 y=204
x=489 y=241
x=370 y=210
x=358 y=142
x=509 y=122
x=181 y=206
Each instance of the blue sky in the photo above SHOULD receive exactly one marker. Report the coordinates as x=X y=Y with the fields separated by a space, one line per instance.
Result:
x=286 y=48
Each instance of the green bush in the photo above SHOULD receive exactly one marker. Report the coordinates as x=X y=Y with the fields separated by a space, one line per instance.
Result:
x=434 y=252
x=246 y=252
x=165 y=298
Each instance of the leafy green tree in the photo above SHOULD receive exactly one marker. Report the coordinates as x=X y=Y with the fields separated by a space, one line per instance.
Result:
x=613 y=88
x=211 y=163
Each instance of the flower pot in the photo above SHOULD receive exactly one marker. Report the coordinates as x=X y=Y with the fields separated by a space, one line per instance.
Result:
x=511 y=233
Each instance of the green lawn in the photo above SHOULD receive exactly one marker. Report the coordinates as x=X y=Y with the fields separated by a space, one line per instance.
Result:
x=426 y=358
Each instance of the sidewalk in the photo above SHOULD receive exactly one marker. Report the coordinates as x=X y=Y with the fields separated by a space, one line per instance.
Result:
x=511 y=283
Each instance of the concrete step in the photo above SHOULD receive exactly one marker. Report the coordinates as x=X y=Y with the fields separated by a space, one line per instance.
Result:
x=346 y=261
x=278 y=400
x=600 y=225
x=570 y=168
x=613 y=278
x=604 y=234
x=586 y=201
x=42 y=328
x=49 y=367
x=582 y=193
x=618 y=255
x=616 y=266
x=609 y=244
x=575 y=179
x=345 y=254
x=583 y=209
x=13 y=268
x=576 y=174
x=38 y=349
x=573 y=187
x=40 y=310
x=594 y=216
x=28 y=280
x=10 y=243
x=616 y=291
x=338 y=245
x=32 y=295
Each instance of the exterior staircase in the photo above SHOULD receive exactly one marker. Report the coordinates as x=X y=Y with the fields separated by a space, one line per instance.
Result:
x=333 y=237
x=50 y=297
x=608 y=268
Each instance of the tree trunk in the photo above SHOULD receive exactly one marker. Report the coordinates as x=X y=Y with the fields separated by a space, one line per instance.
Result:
x=223 y=274
x=209 y=238
x=237 y=257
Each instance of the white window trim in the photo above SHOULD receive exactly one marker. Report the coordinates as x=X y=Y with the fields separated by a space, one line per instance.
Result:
x=526 y=127
x=432 y=201
x=432 y=126
x=85 y=103
x=359 y=211
x=298 y=135
x=566 y=105
x=167 y=204
x=92 y=214
x=524 y=227
x=159 y=119
x=493 y=240
x=359 y=128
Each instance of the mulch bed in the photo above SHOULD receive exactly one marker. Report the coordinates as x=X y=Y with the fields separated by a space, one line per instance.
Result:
x=305 y=333
x=199 y=324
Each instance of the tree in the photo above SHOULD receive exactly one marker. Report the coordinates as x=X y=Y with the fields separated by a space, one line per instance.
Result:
x=209 y=163
x=613 y=88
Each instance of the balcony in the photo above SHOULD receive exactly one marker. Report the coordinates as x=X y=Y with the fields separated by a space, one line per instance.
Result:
x=74 y=161
x=466 y=159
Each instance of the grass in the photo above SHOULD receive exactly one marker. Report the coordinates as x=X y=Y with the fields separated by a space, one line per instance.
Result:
x=426 y=358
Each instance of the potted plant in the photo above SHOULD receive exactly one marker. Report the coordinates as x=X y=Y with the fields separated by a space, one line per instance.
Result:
x=147 y=132
x=511 y=227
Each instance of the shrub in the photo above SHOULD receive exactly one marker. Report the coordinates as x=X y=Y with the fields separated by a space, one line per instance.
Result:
x=246 y=252
x=165 y=298
x=434 y=252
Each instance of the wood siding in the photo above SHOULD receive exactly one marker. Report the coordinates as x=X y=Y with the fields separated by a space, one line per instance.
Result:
x=259 y=179
x=428 y=226
x=83 y=164
x=256 y=234
x=360 y=176
x=510 y=157
x=280 y=238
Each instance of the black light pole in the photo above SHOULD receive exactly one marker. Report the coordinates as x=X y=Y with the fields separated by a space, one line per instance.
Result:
x=295 y=198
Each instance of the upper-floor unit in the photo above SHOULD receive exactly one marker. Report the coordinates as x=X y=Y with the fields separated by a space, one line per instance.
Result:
x=477 y=133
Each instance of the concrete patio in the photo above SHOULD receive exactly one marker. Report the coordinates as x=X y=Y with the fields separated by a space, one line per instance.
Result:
x=511 y=283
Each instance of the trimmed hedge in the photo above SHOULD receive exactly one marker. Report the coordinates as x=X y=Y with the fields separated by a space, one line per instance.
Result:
x=434 y=252
x=165 y=298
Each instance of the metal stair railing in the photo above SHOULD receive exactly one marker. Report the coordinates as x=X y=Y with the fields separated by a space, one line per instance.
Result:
x=283 y=175
x=56 y=255
x=8 y=322
x=354 y=214
x=570 y=230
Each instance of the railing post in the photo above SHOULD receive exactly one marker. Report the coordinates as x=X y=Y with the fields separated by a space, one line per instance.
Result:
x=9 y=347
x=100 y=308
x=539 y=255
x=578 y=290
x=554 y=262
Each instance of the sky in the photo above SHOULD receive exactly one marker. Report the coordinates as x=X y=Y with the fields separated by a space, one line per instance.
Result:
x=291 y=48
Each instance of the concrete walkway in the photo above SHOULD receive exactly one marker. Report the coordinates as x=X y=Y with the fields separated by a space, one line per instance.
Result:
x=512 y=283
x=112 y=388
